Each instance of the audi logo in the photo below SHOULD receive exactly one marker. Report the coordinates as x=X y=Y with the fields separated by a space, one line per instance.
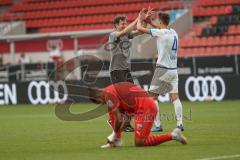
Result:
x=205 y=88
x=43 y=92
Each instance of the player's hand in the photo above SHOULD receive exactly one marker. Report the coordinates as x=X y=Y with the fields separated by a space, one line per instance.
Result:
x=115 y=143
x=111 y=137
x=149 y=14
x=142 y=14
x=110 y=141
x=106 y=146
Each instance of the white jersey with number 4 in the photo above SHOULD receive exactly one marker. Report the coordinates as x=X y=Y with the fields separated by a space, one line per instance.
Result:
x=167 y=45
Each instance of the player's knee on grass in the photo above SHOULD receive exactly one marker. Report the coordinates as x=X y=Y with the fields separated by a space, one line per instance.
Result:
x=173 y=96
x=139 y=142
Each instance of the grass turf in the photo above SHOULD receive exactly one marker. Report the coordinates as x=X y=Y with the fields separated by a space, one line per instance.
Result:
x=34 y=132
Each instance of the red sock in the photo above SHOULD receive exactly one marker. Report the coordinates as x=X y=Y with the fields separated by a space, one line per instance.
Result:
x=158 y=139
x=119 y=134
x=111 y=118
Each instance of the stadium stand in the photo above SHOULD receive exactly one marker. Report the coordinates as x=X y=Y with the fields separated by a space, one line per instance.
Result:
x=73 y=15
x=216 y=30
x=5 y=2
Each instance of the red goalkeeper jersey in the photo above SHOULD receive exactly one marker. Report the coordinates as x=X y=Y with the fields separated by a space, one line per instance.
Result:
x=126 y=96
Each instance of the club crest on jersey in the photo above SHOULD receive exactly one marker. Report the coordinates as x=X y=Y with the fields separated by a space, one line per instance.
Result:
x=109 y=103
x=139 y=127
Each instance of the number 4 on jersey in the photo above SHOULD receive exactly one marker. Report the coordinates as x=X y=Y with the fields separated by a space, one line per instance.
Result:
x=175 y=44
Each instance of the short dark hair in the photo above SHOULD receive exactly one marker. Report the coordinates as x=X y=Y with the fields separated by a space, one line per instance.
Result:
x=93 y=100
x=93 y=94
x=164 y=17
x=119 y=18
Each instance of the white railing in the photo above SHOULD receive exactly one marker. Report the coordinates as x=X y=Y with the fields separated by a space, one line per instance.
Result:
x=73 y=35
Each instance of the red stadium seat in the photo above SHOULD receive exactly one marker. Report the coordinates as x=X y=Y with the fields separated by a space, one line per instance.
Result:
x=73 y=15
x=234 y=30
x=36 y=13
x=211 y=11
x=5 y=2
x=216 y=3
x=214 y=20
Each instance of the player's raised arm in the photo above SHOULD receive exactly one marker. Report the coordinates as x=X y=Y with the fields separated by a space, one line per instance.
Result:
x=141 y=20
x=126 y=30
x=120 y=23
x=142 y=29
x=150 y=17
x=136 y=32
x=152 y=24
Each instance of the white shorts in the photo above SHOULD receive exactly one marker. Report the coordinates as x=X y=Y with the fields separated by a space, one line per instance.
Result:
x=164 y=81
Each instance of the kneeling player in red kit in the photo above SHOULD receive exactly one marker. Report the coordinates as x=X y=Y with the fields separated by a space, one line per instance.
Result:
x=126 y=100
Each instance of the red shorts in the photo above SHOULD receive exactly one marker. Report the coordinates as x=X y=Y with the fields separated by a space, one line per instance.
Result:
x=144 y=119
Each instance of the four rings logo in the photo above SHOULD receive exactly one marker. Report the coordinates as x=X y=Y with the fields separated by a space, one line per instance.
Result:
x=205 y=88
x=43 y=92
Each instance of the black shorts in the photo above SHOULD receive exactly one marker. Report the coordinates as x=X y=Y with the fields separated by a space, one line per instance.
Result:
x=121 y=76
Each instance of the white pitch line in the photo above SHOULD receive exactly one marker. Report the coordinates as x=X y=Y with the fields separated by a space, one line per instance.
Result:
x=221 y=157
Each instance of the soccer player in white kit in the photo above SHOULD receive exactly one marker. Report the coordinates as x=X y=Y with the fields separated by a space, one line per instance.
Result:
x=165 y=79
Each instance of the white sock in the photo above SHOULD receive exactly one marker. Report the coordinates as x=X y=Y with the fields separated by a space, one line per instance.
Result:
x=157 y=122
x=174 y=136
x=178 y=111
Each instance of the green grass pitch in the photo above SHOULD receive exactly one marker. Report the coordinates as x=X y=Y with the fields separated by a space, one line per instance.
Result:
x=34 y=132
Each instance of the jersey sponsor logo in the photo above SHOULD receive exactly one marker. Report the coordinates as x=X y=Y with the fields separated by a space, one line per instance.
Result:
x=8 y=94
x=123 y=45
x=205 y=88
x=39 y=92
